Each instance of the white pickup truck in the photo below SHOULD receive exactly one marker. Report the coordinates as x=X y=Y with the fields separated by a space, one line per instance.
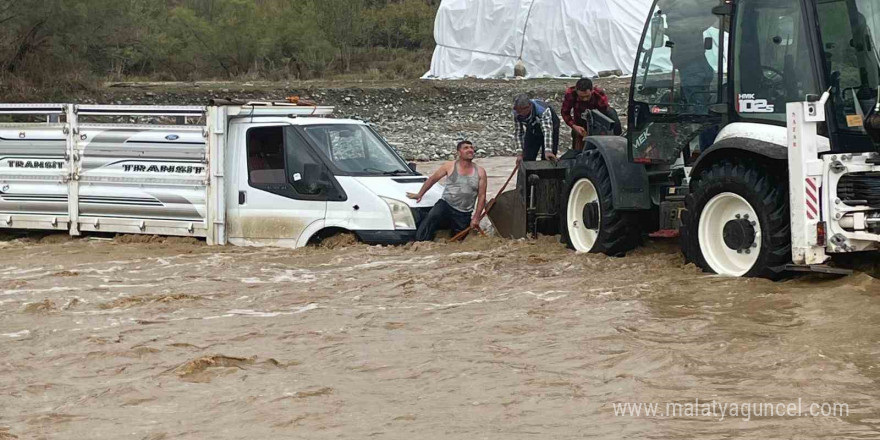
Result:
x=256 y=173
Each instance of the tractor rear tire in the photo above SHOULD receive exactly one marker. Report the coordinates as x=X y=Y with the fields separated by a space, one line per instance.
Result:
x=607 y=230
x=737 y=220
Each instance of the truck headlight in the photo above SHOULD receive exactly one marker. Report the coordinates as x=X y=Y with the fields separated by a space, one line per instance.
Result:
x=401 y=215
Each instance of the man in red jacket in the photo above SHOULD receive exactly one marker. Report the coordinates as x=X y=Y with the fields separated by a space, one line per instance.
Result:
x=578 y=99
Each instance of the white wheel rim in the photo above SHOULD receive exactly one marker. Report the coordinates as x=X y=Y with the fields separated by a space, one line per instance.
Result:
x=582 y=238
x=718 y=211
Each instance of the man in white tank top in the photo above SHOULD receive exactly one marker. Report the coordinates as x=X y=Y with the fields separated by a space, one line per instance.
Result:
x=465 y=186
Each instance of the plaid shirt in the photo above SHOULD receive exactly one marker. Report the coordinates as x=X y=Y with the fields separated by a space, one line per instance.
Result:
x=573 y=109
x=546 y=121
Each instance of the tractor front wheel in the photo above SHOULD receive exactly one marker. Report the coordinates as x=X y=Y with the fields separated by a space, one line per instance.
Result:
x=737 y=220
x=591 y=223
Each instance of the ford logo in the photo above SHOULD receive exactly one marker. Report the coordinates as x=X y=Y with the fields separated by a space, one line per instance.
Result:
x=172 y=137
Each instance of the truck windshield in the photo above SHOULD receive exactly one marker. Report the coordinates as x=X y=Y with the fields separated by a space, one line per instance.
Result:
x=356 y=149
x=849 y=31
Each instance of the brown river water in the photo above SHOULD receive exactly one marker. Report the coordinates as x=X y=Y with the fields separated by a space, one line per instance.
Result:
x=149 y=338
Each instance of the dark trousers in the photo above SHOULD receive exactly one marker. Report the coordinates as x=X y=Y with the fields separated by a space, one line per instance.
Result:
x=533 y=142
x=577 y=141
x=442 y=216
x=533 y=145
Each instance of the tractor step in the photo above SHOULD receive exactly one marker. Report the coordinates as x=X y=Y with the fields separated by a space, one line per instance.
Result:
x=818 y=268
x=664 y=233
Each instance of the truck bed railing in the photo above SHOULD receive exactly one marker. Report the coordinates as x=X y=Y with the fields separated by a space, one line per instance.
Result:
x=31 y=109
x=142 y=169
x=139 y=110
x=235 y=108
x=49 y=113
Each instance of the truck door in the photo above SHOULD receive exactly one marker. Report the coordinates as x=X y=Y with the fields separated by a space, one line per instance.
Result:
x=679 y=75
x=283 y=188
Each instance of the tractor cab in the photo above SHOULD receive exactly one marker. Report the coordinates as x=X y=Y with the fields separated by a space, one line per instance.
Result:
x=686 y=87
x=850 y=66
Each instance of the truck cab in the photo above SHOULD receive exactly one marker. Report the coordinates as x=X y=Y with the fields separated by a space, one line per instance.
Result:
x=246 y=173
x=334 y=174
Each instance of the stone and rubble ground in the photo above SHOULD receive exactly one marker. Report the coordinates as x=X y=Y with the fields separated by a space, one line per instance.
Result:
x=422 y=119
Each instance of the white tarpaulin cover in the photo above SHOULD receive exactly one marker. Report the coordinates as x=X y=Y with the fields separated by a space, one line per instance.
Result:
x=485 y=38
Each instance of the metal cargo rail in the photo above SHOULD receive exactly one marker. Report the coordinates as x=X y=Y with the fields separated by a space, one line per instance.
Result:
x=144 y=169
x=70 y=173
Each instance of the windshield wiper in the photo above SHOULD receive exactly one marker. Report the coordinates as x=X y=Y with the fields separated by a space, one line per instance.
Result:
x=387 y=173
x=395 y=172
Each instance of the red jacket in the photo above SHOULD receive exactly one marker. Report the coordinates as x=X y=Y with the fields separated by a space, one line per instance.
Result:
x=572 y=109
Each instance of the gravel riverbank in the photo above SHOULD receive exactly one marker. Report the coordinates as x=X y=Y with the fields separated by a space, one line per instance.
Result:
x=422 y=119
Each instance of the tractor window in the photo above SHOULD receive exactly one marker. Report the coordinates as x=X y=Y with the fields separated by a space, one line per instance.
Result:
x=676 y=81
x=848 y=29
x=772 y=64
x=678 y=60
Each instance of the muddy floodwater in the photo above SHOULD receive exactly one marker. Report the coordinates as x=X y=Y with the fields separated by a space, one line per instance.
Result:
x=144 y=338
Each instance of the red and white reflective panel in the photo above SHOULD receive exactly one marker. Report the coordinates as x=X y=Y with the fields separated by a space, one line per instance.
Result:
x=812 y=196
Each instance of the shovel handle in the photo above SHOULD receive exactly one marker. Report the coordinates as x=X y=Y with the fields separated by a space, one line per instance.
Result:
x=461 y=234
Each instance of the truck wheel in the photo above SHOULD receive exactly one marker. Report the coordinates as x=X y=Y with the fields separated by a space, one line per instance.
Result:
x=590 y=222
x=737 y=220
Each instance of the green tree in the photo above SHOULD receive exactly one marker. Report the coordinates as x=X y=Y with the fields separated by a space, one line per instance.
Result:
x=67 y=41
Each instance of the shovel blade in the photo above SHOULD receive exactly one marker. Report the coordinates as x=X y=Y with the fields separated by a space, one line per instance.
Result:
x=508 y=215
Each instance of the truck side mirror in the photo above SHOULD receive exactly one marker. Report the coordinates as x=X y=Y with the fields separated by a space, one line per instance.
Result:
x=412 y=166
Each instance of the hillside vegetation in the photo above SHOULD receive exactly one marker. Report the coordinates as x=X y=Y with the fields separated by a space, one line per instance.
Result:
x=74 y=44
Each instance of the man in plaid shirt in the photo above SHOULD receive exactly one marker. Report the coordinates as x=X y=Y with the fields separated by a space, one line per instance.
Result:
x=579 y=100
x=536 y=129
